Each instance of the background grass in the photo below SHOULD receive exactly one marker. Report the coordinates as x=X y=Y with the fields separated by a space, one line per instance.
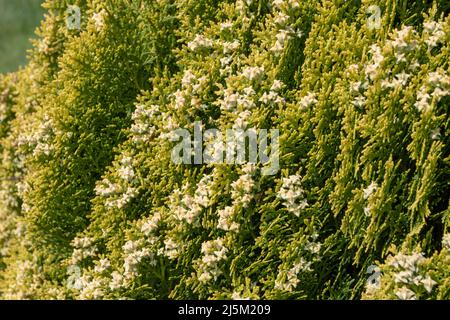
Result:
x=18 y=20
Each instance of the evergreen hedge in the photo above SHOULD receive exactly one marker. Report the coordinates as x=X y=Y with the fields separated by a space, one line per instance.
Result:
x=93 y=207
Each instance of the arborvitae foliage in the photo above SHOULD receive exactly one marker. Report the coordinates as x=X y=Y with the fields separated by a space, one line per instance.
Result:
x=92 y=205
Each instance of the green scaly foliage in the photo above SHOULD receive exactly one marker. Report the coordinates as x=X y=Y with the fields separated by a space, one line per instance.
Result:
x=93 y=207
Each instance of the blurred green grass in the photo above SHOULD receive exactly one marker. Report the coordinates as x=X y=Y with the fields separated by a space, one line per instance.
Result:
x=18 y=21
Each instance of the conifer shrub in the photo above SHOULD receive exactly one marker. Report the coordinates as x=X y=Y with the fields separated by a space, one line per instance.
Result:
x=93 y=206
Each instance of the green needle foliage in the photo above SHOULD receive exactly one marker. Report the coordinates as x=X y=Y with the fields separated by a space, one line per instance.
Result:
x=93 y=207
